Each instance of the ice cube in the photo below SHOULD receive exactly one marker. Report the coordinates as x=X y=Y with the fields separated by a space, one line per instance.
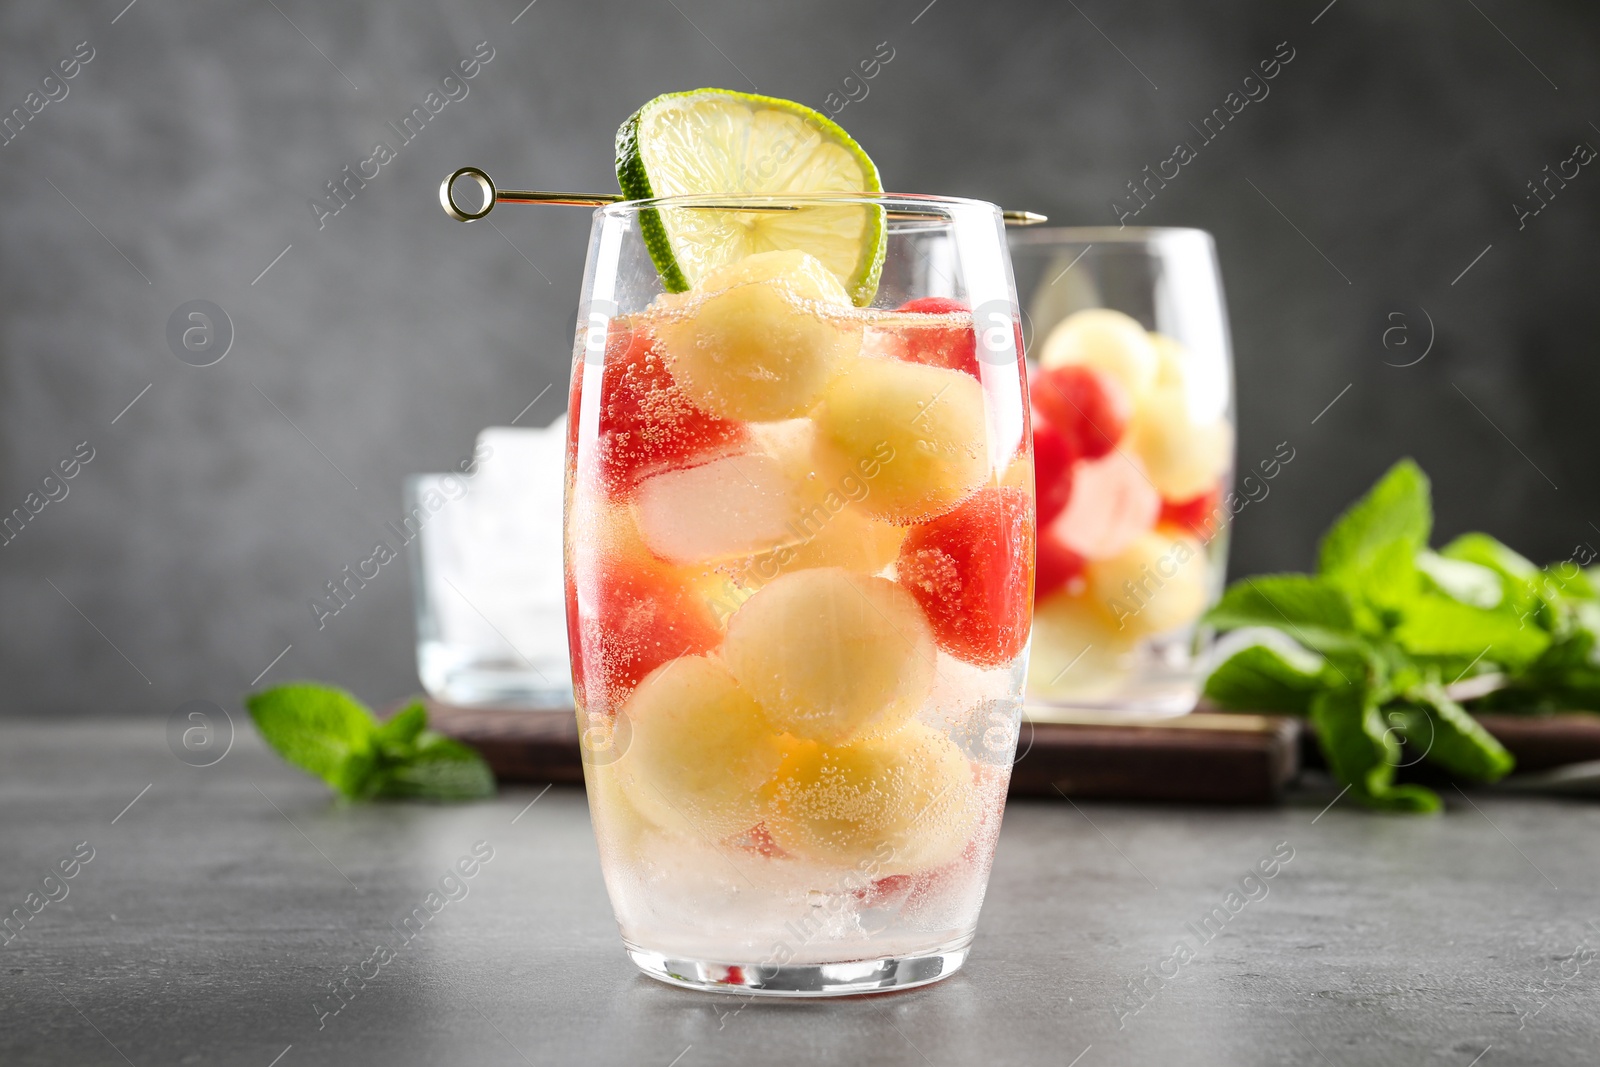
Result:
x=1112 y=503
x=733 y=506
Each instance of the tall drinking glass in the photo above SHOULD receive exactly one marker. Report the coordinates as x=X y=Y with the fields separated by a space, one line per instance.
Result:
x=799 y=552
x=1131 y=384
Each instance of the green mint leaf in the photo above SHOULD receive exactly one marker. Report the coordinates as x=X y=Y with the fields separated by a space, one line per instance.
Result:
x=1565 y=582
x=1396 y=515
x=1382 y=591
x=1449 y=736
x=440 y=769
x=1261 y=677
x=1518 y=575
x=1362 y=751
x=1485 y=551
x=1436 y=625
x=1470 y=583
x=319 y=729
x=1567 y=676
x=1314 y=612
x=397 y=737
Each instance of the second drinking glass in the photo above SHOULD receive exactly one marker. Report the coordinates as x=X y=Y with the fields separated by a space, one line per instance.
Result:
x=799 y=548
x=1132 y=393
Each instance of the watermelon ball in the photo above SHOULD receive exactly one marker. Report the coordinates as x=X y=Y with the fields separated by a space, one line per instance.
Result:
x=1088 y=406
x=954 y=347
x=1201 y=516
x=647 y=424
x=971 y=571
x=636 y=614
x=1059 y=567
x=1053 y=458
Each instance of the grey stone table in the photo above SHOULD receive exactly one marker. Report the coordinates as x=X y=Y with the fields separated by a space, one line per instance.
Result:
x=221 y=901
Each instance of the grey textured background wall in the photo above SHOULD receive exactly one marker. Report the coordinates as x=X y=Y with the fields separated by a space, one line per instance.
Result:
x=182 y=160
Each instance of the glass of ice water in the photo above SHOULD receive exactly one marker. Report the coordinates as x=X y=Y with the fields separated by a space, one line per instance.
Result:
x=487 y=574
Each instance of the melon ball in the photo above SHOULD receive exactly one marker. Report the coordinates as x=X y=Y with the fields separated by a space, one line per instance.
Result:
x=829 y=654
x=1108 y=341
x=829 y=526
x=1077 y=651
x=797 y=271
x=1159 y=583
x=905 y=801
x=1183 y=458
x=761 y=338
x=832 y=524
x=1172 y=362
x=915 y=432
x=698 y=750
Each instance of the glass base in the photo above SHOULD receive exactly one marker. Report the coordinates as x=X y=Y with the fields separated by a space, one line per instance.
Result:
x=801 y=979
x=1146 y=705
x=455 y=676
x=1159 y=679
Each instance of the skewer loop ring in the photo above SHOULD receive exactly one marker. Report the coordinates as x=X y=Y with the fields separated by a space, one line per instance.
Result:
x=447 y=195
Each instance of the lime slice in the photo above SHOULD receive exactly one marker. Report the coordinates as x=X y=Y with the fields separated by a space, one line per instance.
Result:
x=712 y=141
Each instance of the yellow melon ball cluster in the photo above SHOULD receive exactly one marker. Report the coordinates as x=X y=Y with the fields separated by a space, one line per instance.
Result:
x=772 y=340
x=804 y=724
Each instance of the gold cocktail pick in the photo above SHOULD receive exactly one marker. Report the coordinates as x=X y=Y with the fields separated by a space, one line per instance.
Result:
x=493 y=196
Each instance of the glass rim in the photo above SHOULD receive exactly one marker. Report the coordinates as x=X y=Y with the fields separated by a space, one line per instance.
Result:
x=1118 y=235
x=916 y=204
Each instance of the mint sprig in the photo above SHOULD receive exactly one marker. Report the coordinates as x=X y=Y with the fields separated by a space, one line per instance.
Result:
x=1386 y=643
x=329 y=733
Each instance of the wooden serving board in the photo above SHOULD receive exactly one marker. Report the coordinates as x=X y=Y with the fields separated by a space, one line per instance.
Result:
x=1206 y=757
x=1197 y=758
x=1541 y=742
